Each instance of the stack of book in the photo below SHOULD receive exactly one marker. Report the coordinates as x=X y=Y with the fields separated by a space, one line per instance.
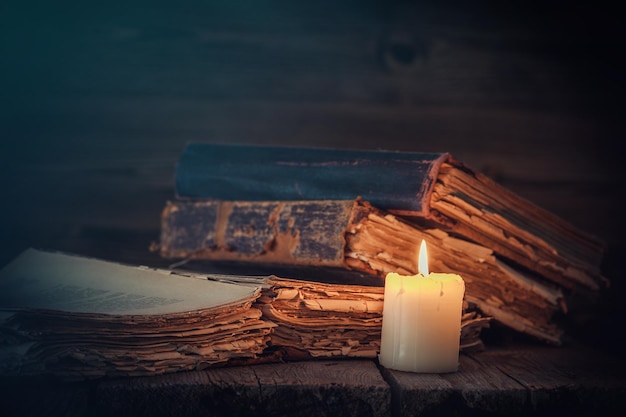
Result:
x=367 y=211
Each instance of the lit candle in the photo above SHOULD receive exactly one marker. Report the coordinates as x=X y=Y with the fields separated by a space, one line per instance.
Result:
x=421 y=328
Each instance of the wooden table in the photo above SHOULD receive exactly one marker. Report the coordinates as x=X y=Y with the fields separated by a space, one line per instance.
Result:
x=523 y=379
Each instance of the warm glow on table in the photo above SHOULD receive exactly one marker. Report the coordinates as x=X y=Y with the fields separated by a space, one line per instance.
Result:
x=421 y=328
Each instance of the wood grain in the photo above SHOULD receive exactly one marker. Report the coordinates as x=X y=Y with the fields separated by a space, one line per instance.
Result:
x=527 y=380
x=325 y=388
x=590 y=383
x=512 y=378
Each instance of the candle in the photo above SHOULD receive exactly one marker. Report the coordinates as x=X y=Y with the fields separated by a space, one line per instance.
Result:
x=421 y=328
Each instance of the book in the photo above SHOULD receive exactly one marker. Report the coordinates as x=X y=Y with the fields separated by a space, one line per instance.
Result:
x=321 y=320
x=77 y=318
x=354 y=235
x=80 y=318
x=428 y=188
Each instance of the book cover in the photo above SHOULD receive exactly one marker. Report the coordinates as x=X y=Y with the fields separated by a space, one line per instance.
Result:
x=400 y=182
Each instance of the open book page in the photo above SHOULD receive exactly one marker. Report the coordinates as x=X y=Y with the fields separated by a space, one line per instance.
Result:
x=77 y=317
x=74 y=284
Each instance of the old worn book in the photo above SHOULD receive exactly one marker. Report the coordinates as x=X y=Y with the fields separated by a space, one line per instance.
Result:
x=82 y=318
x=321 y=320
x=354 y=235
x=431 y=188
x=79 y=317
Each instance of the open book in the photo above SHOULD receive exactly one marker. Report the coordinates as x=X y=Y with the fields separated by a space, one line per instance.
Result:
x=78 y=318
x=81 y=317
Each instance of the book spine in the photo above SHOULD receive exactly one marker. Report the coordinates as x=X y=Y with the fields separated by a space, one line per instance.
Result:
x=400 y=182
x=297 y=233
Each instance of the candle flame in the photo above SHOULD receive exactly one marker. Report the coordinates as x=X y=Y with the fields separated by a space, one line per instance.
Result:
x=422 y=264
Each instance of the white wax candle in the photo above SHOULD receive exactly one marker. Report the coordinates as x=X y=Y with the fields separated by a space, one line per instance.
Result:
x=421 y=328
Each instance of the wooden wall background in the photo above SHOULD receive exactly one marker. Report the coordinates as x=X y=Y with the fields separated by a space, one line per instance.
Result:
x=99 y=100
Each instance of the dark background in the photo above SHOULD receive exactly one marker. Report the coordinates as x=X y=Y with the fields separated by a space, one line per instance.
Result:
x=97 y=103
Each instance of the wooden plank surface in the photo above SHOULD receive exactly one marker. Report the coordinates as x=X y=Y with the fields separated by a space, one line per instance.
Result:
x=321 y=388
x=523 y=379
x=528 y=380
x=473 y=389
